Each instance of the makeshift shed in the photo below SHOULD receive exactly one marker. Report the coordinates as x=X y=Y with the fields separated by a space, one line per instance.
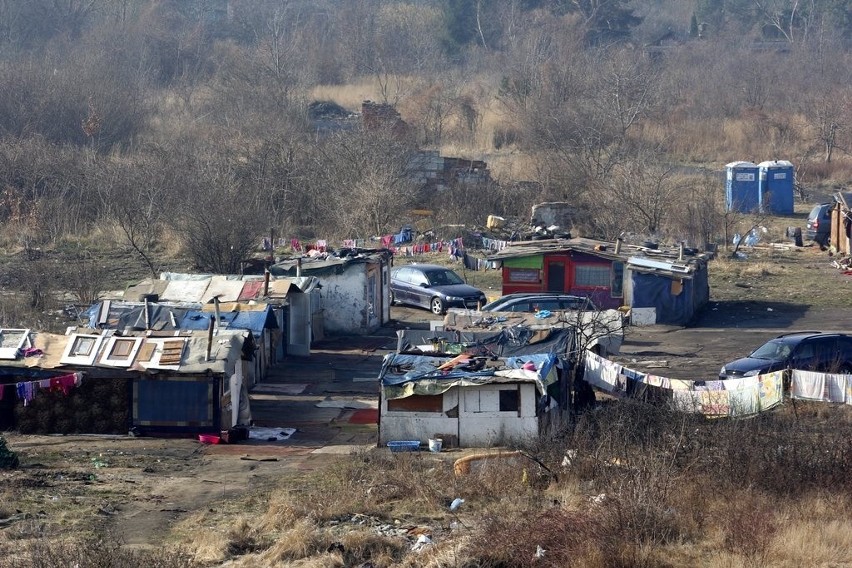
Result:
x=480 y=402
x=665 y=292
x=258 y=318
x=354 y=286
x=672 y=288
x=176 y=383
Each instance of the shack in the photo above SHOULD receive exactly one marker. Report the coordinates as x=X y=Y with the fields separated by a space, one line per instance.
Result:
x=354 y=287
x=479 y=402
x=658 y=285
x=475 y=388
x=99 y=382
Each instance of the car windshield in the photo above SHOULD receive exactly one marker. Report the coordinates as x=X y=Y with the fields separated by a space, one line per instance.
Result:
x=774 y=351
x=443 y=278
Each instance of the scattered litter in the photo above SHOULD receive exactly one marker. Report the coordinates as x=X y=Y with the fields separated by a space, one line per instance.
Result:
x=539 y=552
x=570 y=456
x=542 y=314
x=597 y=499
x=271 y=434
x=769 y=310
x=657 y=364
x=457 y=502
x=423 y=541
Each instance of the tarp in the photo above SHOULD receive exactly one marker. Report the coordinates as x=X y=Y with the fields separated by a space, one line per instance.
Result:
x=165 y=317
x=675 y=300
x=510 y=342
x=406 y=375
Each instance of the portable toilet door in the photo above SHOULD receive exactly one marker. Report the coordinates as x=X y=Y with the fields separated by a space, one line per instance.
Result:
x=741 y=187
x=776 y=187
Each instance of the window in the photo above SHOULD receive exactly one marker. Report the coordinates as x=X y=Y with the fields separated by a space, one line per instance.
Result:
x=417 y=278
x=82 y=347
x=523 y=275
x=617 y=286
x=403 y=275
x=121 y=351
x=510 y=400
x=417 y=403
x=592 y=275
x=122 y=348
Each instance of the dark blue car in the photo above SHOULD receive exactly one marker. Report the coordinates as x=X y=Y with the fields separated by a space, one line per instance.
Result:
x=433 y=287
x=805 y=350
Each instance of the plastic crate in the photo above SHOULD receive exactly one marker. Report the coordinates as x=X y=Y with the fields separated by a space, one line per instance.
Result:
x=404 y=446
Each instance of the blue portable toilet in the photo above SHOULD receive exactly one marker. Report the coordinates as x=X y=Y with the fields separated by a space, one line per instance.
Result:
x=776 y=187
x=741 y=188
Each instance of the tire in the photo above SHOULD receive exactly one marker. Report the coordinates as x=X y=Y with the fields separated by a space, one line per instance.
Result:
x=436 y=306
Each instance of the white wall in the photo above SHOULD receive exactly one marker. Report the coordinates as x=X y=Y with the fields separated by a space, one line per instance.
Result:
x=345 y=304
x=417 y=425
x=479 y=422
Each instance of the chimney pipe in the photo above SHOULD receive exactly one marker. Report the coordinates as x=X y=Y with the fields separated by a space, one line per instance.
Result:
x=216 y=310
x=147 y=317
x=298 y=267
x=209 y=338
x=266 y=283
x=680 y=251
x=618 y=245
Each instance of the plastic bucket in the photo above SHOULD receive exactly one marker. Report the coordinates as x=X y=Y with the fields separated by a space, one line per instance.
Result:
x=435 y=444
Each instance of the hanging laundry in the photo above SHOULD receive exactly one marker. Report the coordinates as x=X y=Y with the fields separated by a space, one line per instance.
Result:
x=836 y=387
x=322 y=245
x=387 y=240
x=808 y=385
x=744 y=395
x=296 y=245
x=64 y=383
x=26 y=392
x=715 y=403
x=688 y=401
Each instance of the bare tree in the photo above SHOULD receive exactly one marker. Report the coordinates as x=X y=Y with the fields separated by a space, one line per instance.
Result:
x=644 y=190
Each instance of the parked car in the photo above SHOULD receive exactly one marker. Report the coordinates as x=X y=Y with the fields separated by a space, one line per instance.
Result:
x=818 y=228
x=433 y=287
x=805 y=350
x=535 y=301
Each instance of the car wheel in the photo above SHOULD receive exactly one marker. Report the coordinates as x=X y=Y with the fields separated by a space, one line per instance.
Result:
x=437 y=306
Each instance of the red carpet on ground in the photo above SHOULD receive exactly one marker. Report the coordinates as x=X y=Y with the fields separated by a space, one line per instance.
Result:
x=365 y=416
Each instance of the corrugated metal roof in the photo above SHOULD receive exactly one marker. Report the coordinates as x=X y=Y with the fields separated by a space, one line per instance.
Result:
x=251 y=290
x=185 y=290
x=602 y=249
x=320 y=265
x=228 y=290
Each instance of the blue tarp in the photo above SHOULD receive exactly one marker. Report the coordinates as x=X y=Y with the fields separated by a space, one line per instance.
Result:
x=660 y=292
x=163 y=317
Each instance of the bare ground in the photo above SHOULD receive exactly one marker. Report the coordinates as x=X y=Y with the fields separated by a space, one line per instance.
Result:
x=140 y=488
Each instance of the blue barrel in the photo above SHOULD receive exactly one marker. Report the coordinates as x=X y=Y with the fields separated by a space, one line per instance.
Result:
x=741 y=187
x=776 y=187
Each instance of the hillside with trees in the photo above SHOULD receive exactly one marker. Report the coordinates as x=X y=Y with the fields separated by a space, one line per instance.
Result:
x=183 y=126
